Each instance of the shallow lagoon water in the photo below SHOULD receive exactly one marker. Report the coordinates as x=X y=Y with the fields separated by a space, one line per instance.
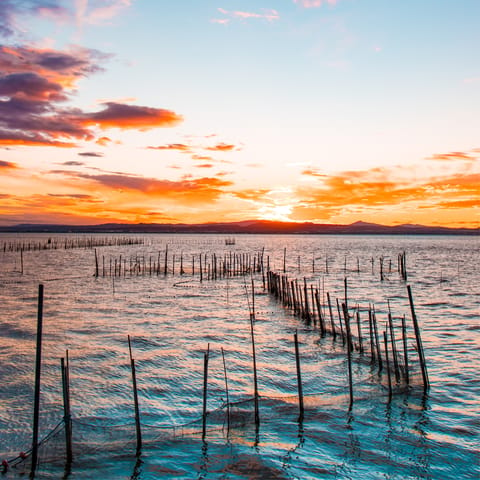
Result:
x=171 y=319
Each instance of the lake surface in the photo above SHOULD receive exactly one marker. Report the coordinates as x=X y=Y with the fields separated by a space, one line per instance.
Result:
x=173 y=318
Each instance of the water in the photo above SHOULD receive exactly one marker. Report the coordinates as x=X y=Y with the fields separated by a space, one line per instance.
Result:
x=171 y=320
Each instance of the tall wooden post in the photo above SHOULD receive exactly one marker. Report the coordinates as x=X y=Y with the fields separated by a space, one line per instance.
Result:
x=255 y=381
x=67 y=418
x=299 y=378
x=205 y=382
x=38 y=368
x=421 y=356
x=135 y=399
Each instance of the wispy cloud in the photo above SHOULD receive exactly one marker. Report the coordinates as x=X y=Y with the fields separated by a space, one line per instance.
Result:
x=11 y=10
x=221 y=147
x=454 y=156
x=94 y=12
x=90 y=154
x=265 y=14
x=180 y=147
x=314 y=3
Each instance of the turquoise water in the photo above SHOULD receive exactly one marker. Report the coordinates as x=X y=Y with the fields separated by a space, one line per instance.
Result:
x=173 y=318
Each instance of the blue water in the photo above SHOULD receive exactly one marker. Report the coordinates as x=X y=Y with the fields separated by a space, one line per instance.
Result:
x=172 y=318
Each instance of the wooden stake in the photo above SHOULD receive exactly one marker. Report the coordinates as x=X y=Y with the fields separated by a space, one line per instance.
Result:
x=359 y=328
x=135 y=400
x=226 y=390
x=421 y=356
x=349 y=353
x=394 y=347
x=405 y=349
x=205 y=378
x=377 y=342
x=331 y=316
x=38 y=368
x=299 y=378
x=96 y=264
x=67 y=419
x=255 y=382
x=388 y=366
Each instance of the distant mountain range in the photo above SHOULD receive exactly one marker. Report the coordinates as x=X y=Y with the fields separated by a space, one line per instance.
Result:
x=250 y=226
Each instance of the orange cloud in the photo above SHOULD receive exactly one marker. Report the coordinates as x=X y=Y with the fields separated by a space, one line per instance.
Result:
x=381 y=189
x=118 y=115
x=203 y=189
x=7 y=165
x=453 y=156
x=221 y=147
x=103 y=141
x=31 y=139
x=257 y=194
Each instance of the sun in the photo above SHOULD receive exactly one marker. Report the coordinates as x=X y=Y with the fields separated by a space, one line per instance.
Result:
x=276 y=213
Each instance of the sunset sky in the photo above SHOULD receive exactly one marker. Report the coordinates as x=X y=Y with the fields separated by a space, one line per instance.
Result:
x=192 y=111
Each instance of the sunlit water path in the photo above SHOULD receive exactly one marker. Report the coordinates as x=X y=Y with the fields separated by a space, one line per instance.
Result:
x=172 y=318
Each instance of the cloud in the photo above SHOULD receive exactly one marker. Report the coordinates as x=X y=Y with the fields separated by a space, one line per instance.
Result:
x=98 y=13
x=117 y=115
x=73 y=163
x=314 y=3
x=454 y=156
x=380 y=188
x=90 y=154
x=257 y=194
x=7 y=165
x=31 y=86
x=189 y=190
x=181 y=147
x=35 y=84
x=204 y=165
x=11 y=9
x=103 y=141
x=32 y=139
x=76 y=196
x=61 y=67
x=266 y=14
x=221 y=147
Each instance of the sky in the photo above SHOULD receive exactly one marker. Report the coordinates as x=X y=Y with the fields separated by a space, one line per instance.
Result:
x=193 y=111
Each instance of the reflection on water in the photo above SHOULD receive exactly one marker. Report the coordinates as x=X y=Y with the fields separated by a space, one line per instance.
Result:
x=171 y=319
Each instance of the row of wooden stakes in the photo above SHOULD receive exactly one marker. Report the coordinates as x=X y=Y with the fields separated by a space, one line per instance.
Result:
x=304 y=301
